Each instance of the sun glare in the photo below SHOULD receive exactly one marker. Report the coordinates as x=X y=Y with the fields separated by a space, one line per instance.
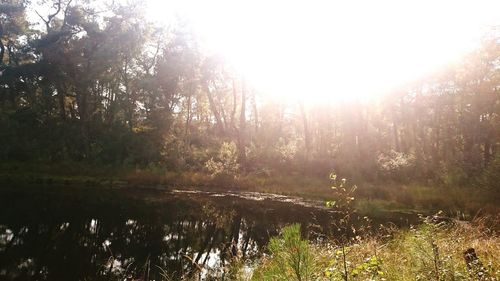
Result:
x=316 y=50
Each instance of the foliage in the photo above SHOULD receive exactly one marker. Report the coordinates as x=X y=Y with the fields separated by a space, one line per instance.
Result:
x=292 y=258
x=431 y=251
x=368 y=269
x=79 y=84
x=226 y=161
x=286 y=151
x=434 y=251
x=343 y=194
x=346 y=222
x=112 y=88
x=396 y=164
x=491 y=176
x=453 y=175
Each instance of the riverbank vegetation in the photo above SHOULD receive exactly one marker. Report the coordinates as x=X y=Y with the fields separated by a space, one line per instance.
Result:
x=431 y=251
x=439 y=248
x=373 y=198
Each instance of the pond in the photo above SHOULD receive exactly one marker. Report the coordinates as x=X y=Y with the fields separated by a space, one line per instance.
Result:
x=62 y=233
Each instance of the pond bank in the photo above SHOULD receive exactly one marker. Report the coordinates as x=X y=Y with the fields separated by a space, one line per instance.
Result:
x=430 y=251
x=370 y=197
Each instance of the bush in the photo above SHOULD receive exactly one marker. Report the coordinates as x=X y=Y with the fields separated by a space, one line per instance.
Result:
x=453 y=175
x=226 y=161
x=491 y=176
x=291 y=258
x=396 y=165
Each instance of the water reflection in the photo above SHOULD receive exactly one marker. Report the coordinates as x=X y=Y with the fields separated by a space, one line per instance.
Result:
x=56 y=234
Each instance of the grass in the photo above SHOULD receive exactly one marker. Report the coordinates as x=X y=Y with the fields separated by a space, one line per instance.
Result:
x=371 y=198
x=431 y=251
x=436 y=252
x=455 y=201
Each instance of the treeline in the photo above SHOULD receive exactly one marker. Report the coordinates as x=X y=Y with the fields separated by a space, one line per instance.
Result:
x=98 y=83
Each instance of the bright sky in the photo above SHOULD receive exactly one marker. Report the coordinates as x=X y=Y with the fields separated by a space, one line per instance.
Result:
x=335 y=49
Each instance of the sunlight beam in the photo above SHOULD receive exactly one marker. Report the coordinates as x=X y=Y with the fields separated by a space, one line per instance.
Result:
x=334 y=49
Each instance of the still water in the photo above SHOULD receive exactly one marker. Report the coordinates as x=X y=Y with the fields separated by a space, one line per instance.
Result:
x=51 y=233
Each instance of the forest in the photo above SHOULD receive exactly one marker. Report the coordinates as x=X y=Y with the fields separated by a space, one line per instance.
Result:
x=117 y=90
x=96 y=93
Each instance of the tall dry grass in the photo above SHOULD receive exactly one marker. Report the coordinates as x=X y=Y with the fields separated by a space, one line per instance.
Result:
x=431 y=251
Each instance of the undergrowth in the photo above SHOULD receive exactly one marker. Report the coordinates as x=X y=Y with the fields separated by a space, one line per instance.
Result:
x=439 y=248
x=431 y=251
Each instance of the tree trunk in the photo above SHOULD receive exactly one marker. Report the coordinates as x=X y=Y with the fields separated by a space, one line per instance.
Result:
x=214 y=110
x=307 y=137
x=241 y=131
x=188 y=119
x=255 y=112
x=2 y=47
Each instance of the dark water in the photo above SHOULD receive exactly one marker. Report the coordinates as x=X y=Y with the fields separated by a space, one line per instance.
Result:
x=49 y=233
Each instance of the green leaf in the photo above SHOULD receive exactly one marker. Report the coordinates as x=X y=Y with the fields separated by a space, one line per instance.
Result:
x=355 y=272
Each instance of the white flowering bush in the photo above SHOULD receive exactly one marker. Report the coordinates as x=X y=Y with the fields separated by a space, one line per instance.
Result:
x=286 y=150
x=394 y=162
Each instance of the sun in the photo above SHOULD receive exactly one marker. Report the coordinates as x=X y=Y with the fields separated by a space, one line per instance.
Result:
x=334 y=50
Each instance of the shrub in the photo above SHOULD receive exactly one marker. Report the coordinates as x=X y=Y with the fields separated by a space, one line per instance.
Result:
x=453 y=175
x=226 y=161
x=491 y=176
x=291 y=258
x=396 y=164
